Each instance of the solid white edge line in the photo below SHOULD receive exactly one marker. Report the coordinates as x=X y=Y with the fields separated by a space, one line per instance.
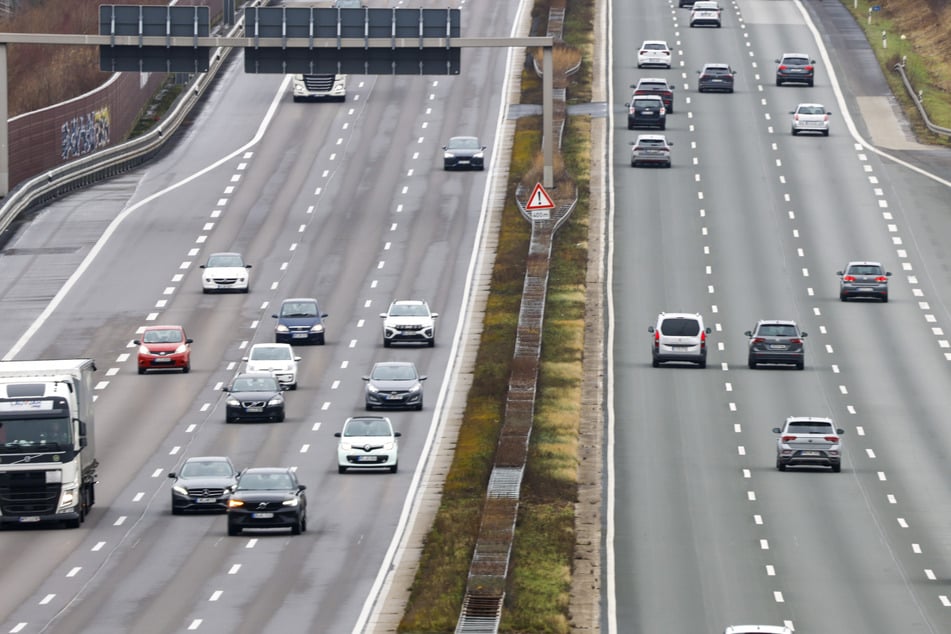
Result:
x=610 y=591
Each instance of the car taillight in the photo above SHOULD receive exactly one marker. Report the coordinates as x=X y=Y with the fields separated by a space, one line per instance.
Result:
x=667 y=93
x=703 y=339
x=881 y=278
x=640 y=92
x=795 y=341
x=825 y=118
x=663 y=110
x=832 y=439
x=848 y=278
x=782 y=67
x=643 y=52
x=759 y=340
x=656 y=332
x=809 y=68
x=789 y=438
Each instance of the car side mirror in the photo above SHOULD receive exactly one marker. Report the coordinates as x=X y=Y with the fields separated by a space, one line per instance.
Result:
x=276 y=316
x=650 y=329
x=840 y=431
x=777 y=430
x=792 y=112
x=366 y=378
x=244 y=358
x=189 y=341
x=812 y=61
x=633 y=85
x=336 y=434
x=627 y=105
x=172 y=475
x=483 y=147
x=297 y=358
x=137 y=342
x=201 y=266
x=888 y=273
x=324 y=315
x=445 y=147
x=839 y=273
x=423 y=378
x=226 y=389
x=708 y=330
x=247 y=266
x=301 y=487
x=776 y=60
x=397 y=434
x=383 y=315
x=748 y=333
x=803 y=334
x=434 y=315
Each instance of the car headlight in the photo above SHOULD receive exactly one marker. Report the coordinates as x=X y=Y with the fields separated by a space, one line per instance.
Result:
x=290 y=502
x=345 y=446
x=389 y=445
x=448 y=155
x=281 y=328
x=232 y=402
x=144 y=350
x=477 y=155
x=372 y=388
x=235 y=503
x=317 y=328
x=416 y=388
x=276 y=400
x=177 y=488
x=182 y=349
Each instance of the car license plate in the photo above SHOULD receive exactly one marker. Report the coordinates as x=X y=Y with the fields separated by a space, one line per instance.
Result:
x=162 y=360
x=255 y=410
x=366 y=459
x=28 y=519
x=262 y=516
x=393 y=397
x=299 y=335
x=777 y=346
x=205 y=500
x=810 y=453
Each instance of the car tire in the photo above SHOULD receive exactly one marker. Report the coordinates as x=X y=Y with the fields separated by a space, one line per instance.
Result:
x=885 y=298
x=779 y=465
x=671 y=109
x=341 y=469
x=730 y=91
x=655 y=363
x=229 y=420
x=369 y=407
x=233 y=531
x=751 y=363
x=630 y=126
x=843 y=297
x=177 y=511
x=280 y=417
x=809 y=83
x=640 y=66
x=187 y=368
x=837 y=467
x=296 y=528
x=825 y=133
x=801 y=366
x=663 y=126
x=668 y=164
x=633 y=164
x=794 y=131
x=293 y=386
x=779 y=82
x=387 y=343
x=395 y=468
x=419 y=407
x=141 y=370
x=702 y=364
x=432 y=342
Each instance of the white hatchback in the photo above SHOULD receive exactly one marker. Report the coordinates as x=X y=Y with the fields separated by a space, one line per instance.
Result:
x=225 y=272
x=368 y=442
x=705 y=13
x=278 y=359
x=810 y=117
x=654 y=53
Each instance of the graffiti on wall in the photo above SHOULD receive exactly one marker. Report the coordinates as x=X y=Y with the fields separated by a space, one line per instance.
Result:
x=84 y=134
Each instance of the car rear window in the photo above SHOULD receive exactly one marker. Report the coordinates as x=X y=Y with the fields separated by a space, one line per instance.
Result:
x=651 y=86
x=680 y=327
x=715 y=70
x=809 y=428
x=795 y=61
x=865 y=270
x=647 y=103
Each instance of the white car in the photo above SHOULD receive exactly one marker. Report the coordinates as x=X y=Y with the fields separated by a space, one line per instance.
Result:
x=810 y=117
x=368 y=442
x=654 y=53
x=410 y=321
x=276 y=358
x=758 y=629
x=705 y=13
x=225 y=272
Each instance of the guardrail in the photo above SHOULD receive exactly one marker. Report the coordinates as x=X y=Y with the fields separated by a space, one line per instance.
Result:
x=916 y=97
x=41 y=189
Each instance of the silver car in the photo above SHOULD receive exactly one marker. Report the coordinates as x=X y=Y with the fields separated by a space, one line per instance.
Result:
x=810 y=117
x=776 y=341
x=758 y=629
x=394 y=384
x=808 y=441
x=650 y=149
x=863 y=279
x=679 y=337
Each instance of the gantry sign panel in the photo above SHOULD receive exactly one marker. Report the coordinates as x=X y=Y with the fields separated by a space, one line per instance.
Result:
x=312 y=23
x=157 y=21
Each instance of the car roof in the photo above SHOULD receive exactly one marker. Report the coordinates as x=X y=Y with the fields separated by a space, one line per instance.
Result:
x=777 y=322
x=652 y=80
x=680 y=315
x=224 y=253
x=811 y=419
x=863 y=263
x=208 y=459
x=167 y=327
x=763 y=629
x=271 y=344
x=255 y=375
x=664 y=42
x=716 y=65
x=267 y=470
x=394 y=363
x=410 y=302
x=785 y=55
x=369 y=418
x=654 y=97
x=461 y=138
x=299 y=299
x=651 y=137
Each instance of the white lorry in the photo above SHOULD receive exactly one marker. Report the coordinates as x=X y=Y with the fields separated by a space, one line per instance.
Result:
x=321 y=86
x=47 y=458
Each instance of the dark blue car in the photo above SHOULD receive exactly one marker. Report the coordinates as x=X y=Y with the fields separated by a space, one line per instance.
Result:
x=299 y=321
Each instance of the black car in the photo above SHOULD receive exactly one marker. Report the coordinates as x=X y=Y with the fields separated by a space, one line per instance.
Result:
x=299 y=321
x=254 y=396
x=267 y=497
x=655 y=86
x=776 y=341
x=646 y=111
x=394 y=384
x=796 y=68
x=715 y=77
x=463 y=151
x=203 y=484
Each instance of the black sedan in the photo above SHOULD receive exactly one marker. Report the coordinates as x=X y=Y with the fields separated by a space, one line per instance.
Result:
x=254 y=396
x=463 y=151
x=203 y=484
x=776 y=341
x=267 y=497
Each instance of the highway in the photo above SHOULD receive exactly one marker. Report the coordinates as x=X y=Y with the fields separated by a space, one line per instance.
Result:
x=753 y=223
x=346 y=202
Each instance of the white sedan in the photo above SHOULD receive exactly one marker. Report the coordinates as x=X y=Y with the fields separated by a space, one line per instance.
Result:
x=654 y=53
x=225 y=272
x=810 y=117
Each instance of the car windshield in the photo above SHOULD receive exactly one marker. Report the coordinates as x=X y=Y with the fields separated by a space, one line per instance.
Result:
x=258 y=384
x=359 y=427
x=225 y=260
x=680 y=327
x=206 y=468
x=865 y=270
x=299 y=309
x=265 y=482
x=391 y=372
x=778 y=330
x=464 y=143
x=270 y=353
x=408 y=310
x=170 y=335
x=809 y=428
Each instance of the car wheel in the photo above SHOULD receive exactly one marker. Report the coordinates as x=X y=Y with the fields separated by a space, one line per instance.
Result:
x=825 y=133
x=446 y=166
x=394 y=468
x=141 y=370
x=233 y=530
x=177 y=511
x=779 y=82
x=296 y=528
x=885 y=298
x=779 y=465
x=187 y=368
x=751 y=363
x=702 y=364
x=663 y=126
x=730 y=91
x=369 y=407
x=280 y=417
x=432 y=342
x=321 y=340
x=341 y=469
x=809 y=83
x=668 y=164
x=655 y=363
x=293 y=386
x=419 y=407
x=229 y=419
x=670 y=109
x=837 y=467
x=633 y=164
x=387 y=343
x=640 y=66
x=630 y=126
x=303 y=523
x=842 y=297
x=801 y=365
x=794 y=131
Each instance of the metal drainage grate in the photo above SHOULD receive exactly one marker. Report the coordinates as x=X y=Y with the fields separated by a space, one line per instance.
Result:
x=505 y=482
x=480 y=615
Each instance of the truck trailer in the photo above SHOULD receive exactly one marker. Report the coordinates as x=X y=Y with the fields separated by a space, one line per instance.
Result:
x=47 y=454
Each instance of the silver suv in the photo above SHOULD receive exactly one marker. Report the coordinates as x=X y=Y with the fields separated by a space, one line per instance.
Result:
x=679 y=337
x=409 y=321
x=776 y=341
x=808 y=440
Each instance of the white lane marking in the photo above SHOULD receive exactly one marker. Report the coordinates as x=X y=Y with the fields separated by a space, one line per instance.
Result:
x=122 y=358
x=902 y=522
x=45 y=600
x=751 y=496
x=174 y=450
x=112 y=371
x=251 y=542
x=770 y=570
x=119 y=521
x=156 y=473
x=758 y=520
x=74 y=571
x=741 y=450
x=881 y=476
x=891 y=498
x=916 y=548
x=930 y=574
x=870 y=453
x=98 y=546
x=764 y=544
x=304 y=448
x=138 y=496
x=215 y=595
x=234 y=569
x=315 y=427
x=335 y=384
x=194 y=625
x=778 y=596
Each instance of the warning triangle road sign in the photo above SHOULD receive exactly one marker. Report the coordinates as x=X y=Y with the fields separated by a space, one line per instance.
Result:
x=539 y=199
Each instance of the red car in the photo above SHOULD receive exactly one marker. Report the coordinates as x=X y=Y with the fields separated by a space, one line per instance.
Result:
x=164 y=348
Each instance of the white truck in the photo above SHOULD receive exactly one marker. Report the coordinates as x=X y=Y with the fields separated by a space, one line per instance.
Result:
x=321 y=86
x=47 y=455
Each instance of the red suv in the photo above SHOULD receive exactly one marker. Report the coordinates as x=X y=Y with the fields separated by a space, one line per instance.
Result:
x=164 y=348
x=656 y=86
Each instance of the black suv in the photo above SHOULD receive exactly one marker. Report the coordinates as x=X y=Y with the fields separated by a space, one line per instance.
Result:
x=715 y=77
x=267 y=497
x=646 y=111
x=203 y=483
x=254 y=396
x=796 y=68
x=655 y=86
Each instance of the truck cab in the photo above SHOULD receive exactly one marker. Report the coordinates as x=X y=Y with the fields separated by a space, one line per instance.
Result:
x=320 y=87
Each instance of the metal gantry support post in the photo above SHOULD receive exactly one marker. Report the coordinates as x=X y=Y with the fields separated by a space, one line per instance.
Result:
x=548 y=133
x=4 y=130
